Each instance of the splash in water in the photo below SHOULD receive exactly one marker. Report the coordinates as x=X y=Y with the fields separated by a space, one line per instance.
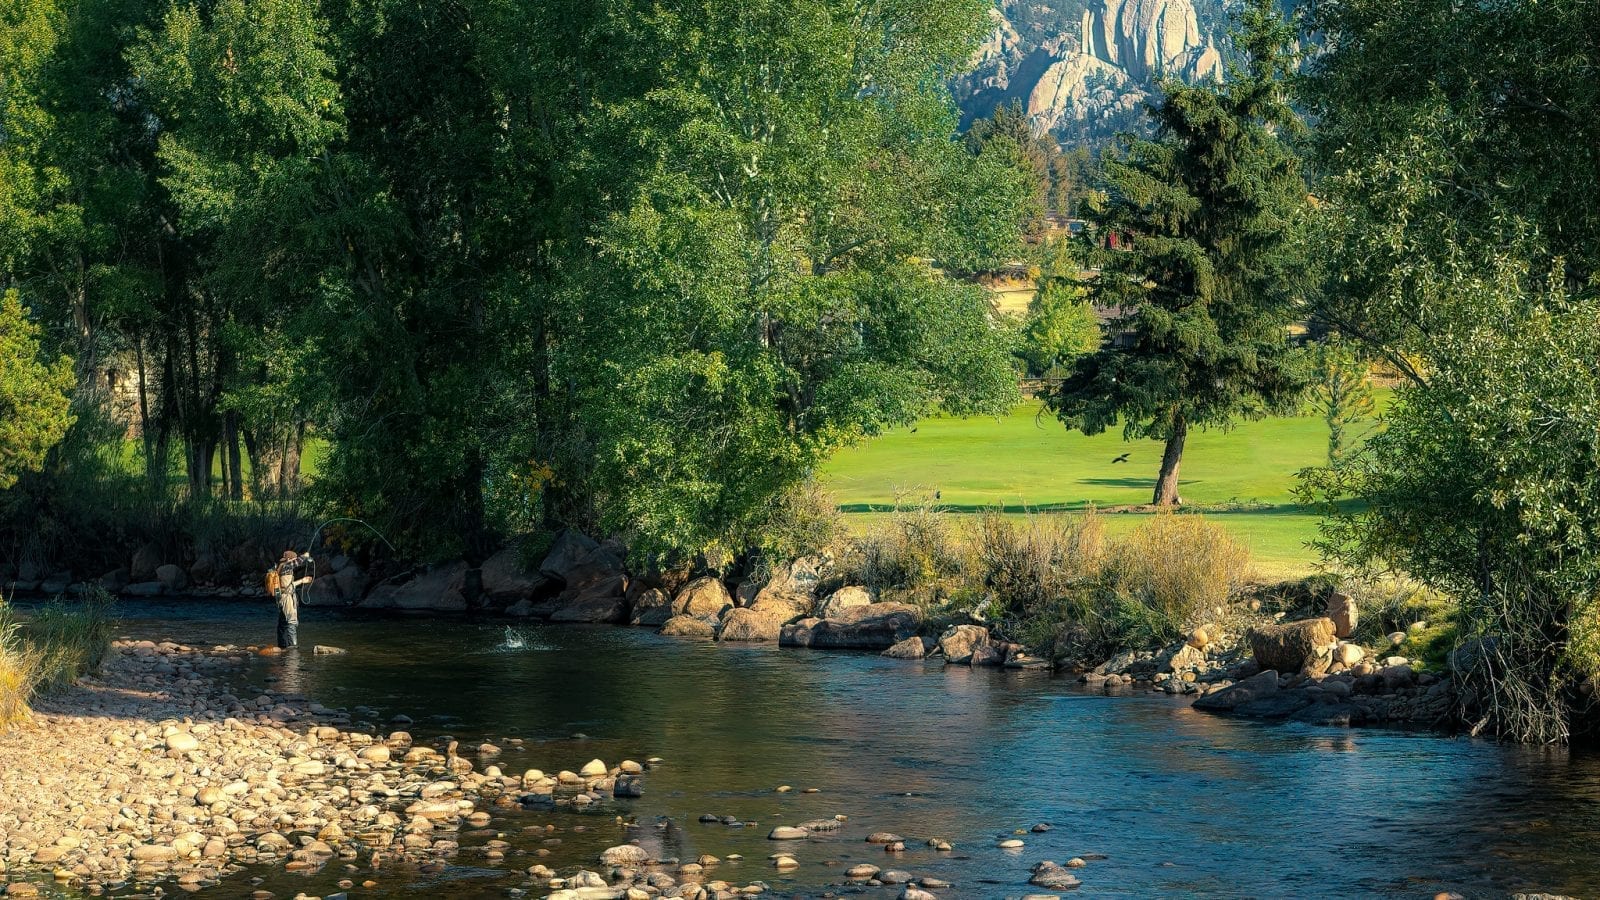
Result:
x=518 y=639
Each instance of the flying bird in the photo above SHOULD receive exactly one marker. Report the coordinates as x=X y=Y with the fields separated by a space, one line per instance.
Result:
x=913 y=429
x=1122 y=458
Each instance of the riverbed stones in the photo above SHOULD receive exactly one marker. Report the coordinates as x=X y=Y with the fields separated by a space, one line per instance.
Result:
x=883 y=837
x=1348 y=654
x=788 y=833
x=182 y=742
x=1048 y=874
x=911 y=892
x=958 y=641
x=1305 y=646
x=624 y=855
x=862 y=870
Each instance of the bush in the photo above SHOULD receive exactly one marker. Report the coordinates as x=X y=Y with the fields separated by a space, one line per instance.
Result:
x=917 y=556
x=71 y=639
x=51 y=650
x=1030 y=565
x=1178 y=566
x=19 y=664
x=802 y=521
x=1390 y=605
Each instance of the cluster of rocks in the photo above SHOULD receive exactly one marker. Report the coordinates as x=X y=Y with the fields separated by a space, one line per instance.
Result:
x=150 y=772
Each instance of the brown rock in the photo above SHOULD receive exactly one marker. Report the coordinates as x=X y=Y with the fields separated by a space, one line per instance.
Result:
x=1341 y=609
x=910 y=648
x=705 y=598
x=875 y=627
x=1304 y=646
x=689 y=626
x=958 y=642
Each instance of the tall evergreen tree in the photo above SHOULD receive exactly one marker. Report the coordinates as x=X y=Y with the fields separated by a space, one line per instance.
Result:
x=1204 y=280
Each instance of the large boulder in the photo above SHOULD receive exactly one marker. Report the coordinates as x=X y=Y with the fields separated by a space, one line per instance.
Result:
x=958 y=642
x=910 y=648
x=172 y=577
x=799 y=578
x=439 y=588
x=322 y=592
x=204 y=570
x=1183 y=657
x=1303 y=646
x=145 y=561
x=876 y=627
x=1341 y=609
x=1250 y=690
x=350 y=581
x=704 y=598
x=649 y=606
x=599 y=601
x=689 y=626
x=798 y=634
x=506 y=580
x=842 y=599
x=114 y=581
x=567 y=552
x=763 y=621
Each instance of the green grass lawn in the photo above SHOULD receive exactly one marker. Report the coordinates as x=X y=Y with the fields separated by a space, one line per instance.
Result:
x=1028 y=461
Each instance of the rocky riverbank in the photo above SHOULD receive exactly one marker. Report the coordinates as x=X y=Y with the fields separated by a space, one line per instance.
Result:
x=151 y=773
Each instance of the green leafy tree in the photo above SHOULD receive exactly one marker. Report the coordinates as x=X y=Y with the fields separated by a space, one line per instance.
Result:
x=35 y=394
x=1463 y=250
x=757 y=301
x=1208 y=282
x=1060 y=325
x=1341 y=392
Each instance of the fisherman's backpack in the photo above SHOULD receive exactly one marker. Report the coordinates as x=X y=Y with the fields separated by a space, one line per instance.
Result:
x=272 y=580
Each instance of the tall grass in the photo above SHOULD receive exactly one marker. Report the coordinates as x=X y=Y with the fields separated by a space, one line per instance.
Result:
x=1054 y=580
x=51 y=649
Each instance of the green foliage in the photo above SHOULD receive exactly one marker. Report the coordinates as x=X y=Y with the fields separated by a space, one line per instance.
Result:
x=1208 y=285
x=1031 y=566
x=917 y=556
x=1464 y=253
x=34 y=394
x=1340 y=392
x=754 y=303
x=1061 y=325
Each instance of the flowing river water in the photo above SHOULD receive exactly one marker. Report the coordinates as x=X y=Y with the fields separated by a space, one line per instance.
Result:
x=1180 y=803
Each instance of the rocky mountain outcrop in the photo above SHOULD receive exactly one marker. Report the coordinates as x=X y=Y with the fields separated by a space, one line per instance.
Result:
x=1089 y=76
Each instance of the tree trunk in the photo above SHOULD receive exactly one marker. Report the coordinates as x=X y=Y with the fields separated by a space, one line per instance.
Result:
x=233 y=464
x=1167 y=483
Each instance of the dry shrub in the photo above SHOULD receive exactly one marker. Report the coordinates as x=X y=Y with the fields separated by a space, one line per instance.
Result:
x=19 y=667
x=1177 y=566
x=1032 y=564
x=51 y=650
x=916 y=556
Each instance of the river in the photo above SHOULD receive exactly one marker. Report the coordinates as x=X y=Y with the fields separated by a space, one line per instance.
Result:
x=1180 y=803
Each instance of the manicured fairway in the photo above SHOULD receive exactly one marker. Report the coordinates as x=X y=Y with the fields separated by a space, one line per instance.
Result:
x=1028 y=461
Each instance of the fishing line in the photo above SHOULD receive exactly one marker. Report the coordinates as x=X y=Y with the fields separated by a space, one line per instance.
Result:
x=317 y=535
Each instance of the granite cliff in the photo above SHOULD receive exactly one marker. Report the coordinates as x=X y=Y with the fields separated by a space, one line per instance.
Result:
x=1082 y=68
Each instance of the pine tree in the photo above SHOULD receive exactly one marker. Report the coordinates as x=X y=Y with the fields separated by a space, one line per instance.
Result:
x=1204 y=280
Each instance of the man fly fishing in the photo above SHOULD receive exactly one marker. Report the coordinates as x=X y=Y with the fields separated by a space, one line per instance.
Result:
x=283 y=582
